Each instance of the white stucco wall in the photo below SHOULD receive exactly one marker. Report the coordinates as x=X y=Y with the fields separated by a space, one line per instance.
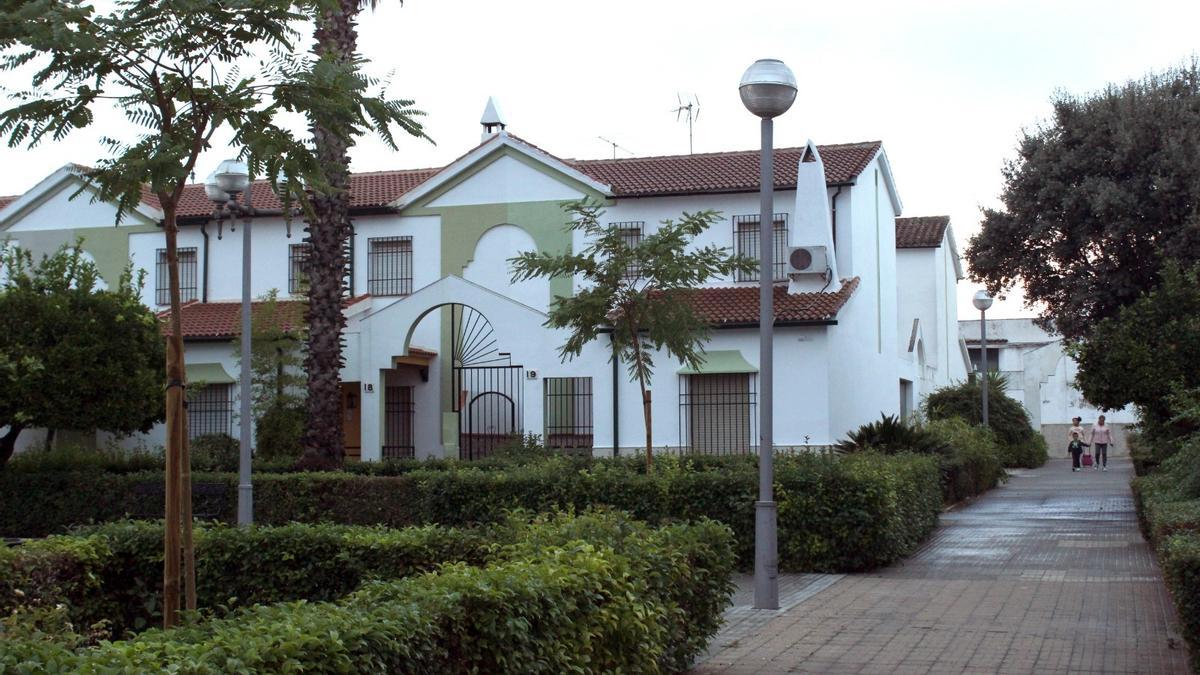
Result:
x=490 y=268
x=57 y=211
x=507 y=180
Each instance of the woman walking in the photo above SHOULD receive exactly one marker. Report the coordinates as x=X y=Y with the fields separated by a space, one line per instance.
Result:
x=1101 y=438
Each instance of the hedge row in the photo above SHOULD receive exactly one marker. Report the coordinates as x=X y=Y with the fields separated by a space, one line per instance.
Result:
x=835 y=514
x=596 y=593
x=1168 y=504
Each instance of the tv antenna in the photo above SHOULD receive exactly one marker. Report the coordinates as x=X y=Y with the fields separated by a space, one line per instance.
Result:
x=615 y=147
x=692 y=108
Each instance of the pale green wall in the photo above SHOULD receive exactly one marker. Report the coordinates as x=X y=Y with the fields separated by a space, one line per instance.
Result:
x=109 y=246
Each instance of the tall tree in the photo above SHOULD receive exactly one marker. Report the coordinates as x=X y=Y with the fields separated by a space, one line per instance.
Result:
x=1097 y=199
x=637 y=293
x=334 y=129
x=73 y=355
x=172 y=67
x=277 y=377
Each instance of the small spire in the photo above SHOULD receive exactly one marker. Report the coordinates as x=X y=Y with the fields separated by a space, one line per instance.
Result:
x=492 y=120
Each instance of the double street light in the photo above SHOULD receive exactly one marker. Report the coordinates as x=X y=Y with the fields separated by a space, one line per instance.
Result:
x=768 y=89
x=982 y=302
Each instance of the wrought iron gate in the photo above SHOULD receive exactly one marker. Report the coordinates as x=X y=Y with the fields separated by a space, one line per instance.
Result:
x=488 y=388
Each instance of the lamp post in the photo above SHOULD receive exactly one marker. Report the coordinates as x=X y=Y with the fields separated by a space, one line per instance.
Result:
x=767 y=89
x=982 y=302
x=223 y=187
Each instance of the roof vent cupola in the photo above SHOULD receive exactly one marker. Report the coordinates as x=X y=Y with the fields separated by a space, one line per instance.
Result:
x=492 y=120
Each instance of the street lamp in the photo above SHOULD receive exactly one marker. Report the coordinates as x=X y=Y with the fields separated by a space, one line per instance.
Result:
x=982 y=302
x=231 y=179
x=768 y=89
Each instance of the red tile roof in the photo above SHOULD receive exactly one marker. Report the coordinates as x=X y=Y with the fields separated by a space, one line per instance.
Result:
x=5 y=201
x=223 y=320
x=921 y=232
x=737 y=306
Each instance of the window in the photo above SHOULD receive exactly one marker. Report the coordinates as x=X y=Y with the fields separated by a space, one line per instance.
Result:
x=993 y=359
x=297 y=262
x=210 y=410
x=631 y=234
x=187 y=276
x=716 y=413
x=567 y=410
x=745 y=242
x=389 y=263
x=398 y=414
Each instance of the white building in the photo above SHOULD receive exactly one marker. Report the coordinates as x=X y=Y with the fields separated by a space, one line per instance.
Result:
x=1041 y=375
x=446 y=357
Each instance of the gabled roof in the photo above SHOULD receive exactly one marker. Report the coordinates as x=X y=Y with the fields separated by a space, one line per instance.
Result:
x=921 y=231
x=734 y=306
x=13 y=208
x=223 y=320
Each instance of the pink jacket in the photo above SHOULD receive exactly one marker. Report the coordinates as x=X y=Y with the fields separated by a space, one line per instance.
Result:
x=1101 y=434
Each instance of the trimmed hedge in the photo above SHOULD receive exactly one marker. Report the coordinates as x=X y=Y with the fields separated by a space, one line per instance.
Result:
x=836 y=514
x=594 y=593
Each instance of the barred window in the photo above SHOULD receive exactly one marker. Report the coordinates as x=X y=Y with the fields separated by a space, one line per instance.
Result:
x=631 y=234
x=745 y=241
x=389 y=266
x=398 y=412
x=567 y=410
x=188 y=276
x=210 y=410
x=297 y=267
x=717 y=413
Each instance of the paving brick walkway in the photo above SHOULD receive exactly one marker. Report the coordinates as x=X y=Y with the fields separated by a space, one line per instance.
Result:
x=1047 y=574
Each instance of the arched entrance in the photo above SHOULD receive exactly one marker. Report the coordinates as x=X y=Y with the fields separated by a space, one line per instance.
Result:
x=488 y=392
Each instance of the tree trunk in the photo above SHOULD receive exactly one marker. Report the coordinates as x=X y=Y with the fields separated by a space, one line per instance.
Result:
x=646 y=415
x=641 y=372
x=49 y=440
x=336 y=36
x=8 y=442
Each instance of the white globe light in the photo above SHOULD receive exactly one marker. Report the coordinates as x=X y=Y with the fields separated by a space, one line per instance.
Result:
x=768 y=88
x=982 y=300
x=214 y=191
x=232 y=176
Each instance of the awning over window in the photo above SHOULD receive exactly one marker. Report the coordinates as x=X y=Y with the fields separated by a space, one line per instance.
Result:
x=721 y=361
x=208 y=373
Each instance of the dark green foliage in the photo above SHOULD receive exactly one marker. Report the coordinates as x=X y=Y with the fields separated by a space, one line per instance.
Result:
x=73 y=458
x=892 y=435
x=972 y=465
x=851 y=513
x=596 y=591
x=1097 y=200
x=1020 y=444
x=73 y=356
x=1180 y=558
x=277 y=433
x=215 y=452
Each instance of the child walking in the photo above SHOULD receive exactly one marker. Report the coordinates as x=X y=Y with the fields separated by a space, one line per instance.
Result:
x=1076 y=449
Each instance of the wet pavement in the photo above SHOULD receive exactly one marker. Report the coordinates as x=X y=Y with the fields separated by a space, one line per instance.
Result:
x=1047 y=574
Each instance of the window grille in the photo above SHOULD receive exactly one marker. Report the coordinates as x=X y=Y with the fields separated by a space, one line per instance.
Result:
x=567 y=411
x=399 y=413
x=746 y=238
x=717 y=413
x=210 y=410
x=187 y=276
x=390 y=266
x=631 y=234
x=297 y=268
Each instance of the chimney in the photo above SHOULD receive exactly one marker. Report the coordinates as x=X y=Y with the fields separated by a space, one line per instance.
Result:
x=492 y=120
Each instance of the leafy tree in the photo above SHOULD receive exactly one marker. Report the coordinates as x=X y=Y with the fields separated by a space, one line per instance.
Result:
x=1147 y=353
x=1096 y=200
x=1021 y=443
x=73 y=356
x=637 y=294
x=334 y=129
x=277 y=381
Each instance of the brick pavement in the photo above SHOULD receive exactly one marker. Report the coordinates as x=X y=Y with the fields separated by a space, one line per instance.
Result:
x=1047 y=574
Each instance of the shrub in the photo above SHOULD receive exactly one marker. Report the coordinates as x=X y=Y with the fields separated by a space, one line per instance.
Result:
x=277 y=433
x=74 y=458
x=215 y=452
x=1021 y=444
x=892 y=435
x=1180 y=557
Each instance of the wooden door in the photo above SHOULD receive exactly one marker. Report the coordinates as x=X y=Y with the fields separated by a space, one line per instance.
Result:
x=352 y=419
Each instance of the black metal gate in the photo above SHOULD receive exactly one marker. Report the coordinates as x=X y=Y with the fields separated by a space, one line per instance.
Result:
x=488 y=389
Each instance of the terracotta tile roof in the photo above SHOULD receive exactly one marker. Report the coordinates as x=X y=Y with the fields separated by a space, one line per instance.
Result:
x=5 y=201
x=223 y=320
x=720 y=171
x=921 y=232
x=736 y=306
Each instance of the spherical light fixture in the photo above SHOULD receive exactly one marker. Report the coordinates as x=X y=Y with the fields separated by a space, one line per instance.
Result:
x=982 y=300
x=232 y=176
x=768 y=88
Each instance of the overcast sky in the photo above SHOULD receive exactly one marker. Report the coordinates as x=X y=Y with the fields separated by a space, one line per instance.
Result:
x=946 y=85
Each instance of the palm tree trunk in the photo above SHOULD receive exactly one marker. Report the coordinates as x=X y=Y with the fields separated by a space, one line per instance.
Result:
x=336 y=37
x=8 y=442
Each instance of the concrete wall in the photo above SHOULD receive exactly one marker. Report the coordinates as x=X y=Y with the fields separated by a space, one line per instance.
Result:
x=1056 y=436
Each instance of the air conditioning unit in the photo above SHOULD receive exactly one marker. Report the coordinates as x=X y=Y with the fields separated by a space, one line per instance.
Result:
x=807 y=260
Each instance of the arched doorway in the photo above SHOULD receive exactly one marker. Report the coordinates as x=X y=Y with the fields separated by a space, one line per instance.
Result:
x=487 y=386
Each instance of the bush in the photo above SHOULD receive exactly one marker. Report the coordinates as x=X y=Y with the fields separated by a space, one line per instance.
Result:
x=597 y=591
x=973 y=463
x=72 y=458
x=277 y=433
x=215 y=452
x=892 y=435
x=1180 y=557
x=1022 y=446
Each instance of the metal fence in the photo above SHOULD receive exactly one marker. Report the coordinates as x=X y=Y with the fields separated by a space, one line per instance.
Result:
x=746 y=239
x=567 y=411
x=210 y=410
x=489 y=406
x=398 y=417
x=188 y=276
x=717 y=413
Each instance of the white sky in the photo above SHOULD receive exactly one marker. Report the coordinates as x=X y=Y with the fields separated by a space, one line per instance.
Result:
x=946 y=85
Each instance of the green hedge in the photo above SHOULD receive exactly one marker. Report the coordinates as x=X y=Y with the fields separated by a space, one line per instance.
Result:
x=594 y=593
x=836 y=514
